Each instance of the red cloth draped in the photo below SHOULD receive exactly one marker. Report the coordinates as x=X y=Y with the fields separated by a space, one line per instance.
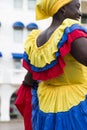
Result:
x=23 y=104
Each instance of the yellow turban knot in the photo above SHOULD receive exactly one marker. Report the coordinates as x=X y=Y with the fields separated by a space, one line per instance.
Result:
x=47 y=8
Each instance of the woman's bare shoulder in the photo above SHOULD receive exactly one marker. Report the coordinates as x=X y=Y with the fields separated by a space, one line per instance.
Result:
x=44 y=36
x=79 y=50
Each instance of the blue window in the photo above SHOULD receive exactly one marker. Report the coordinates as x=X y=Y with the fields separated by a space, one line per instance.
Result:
x=18 y=31
x=32 y=26
x=0 y=54
x=17 y=57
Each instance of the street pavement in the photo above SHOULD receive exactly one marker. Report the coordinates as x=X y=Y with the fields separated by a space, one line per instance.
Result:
x=14 y=124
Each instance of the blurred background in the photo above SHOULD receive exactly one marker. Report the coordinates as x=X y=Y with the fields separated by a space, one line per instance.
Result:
x=17 y=20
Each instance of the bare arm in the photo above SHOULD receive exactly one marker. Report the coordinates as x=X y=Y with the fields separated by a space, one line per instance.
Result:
x=79 y=50
x=28 y=80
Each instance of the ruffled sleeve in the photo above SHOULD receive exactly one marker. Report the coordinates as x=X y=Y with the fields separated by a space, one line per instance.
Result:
x=47 y=61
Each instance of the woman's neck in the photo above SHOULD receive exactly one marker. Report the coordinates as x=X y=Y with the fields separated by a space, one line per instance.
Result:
x=58 y=18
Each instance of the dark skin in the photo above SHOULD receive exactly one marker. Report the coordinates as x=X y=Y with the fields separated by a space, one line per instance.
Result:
x=28 y=80
x=71 y=10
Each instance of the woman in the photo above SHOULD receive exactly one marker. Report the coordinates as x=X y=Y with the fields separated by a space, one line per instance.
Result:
x=58 y=58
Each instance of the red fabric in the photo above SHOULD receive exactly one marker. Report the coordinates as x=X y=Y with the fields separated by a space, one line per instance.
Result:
x=23 y=104
x=57 y=69
x=66 y=48
x=50 y=73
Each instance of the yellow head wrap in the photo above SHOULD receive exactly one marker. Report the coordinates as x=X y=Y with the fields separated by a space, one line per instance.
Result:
x=47 y=8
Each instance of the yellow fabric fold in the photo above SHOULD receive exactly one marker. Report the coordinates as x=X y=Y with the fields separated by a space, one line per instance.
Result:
x=65 y=91
x=47 y=8
x=61 y=98
x=40 y=56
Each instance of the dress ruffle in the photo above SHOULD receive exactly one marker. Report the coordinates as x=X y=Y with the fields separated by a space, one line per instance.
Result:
x=74 y=119
x=47 y=61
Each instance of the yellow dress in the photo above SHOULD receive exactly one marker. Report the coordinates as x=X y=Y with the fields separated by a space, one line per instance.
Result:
x=63 y=80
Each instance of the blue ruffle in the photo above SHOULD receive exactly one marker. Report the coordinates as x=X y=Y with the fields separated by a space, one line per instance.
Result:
x=48 y=66
x=74 y=119
x=69 y=30
x=60 y=44
x=35 y=109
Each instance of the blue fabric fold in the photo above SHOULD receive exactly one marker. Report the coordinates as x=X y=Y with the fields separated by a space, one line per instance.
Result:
x=73 y=119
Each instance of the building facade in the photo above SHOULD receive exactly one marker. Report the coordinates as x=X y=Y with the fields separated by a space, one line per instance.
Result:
x=17 y=19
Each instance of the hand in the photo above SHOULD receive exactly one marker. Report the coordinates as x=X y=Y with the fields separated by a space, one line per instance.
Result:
x=28 y=80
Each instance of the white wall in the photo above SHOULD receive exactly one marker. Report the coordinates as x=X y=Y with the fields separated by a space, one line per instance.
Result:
x=11 y=78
